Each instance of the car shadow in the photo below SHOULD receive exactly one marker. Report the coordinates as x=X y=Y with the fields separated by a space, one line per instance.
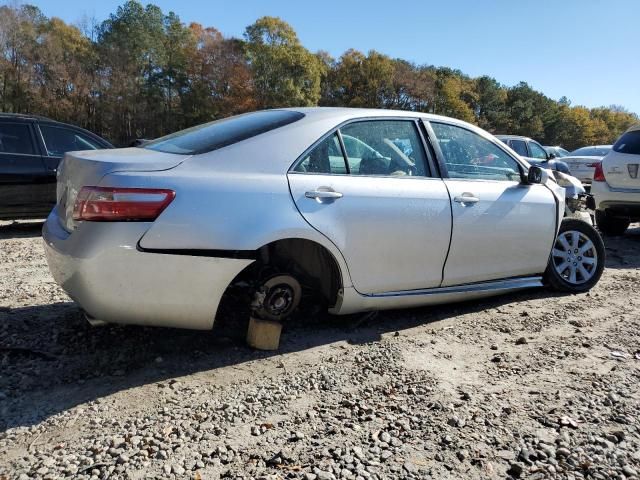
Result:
x=52 y=360
x=624 y=251
x=20 y=229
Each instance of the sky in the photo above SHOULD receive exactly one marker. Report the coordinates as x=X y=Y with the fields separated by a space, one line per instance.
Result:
x=585 y=50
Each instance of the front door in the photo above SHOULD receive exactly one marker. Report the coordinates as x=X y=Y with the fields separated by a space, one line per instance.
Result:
x=502 y=227
x=390 y=219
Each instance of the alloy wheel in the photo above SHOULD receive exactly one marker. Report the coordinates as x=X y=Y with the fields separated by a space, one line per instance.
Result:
x=575 y=257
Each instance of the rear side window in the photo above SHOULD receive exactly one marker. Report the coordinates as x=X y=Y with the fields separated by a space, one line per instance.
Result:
x=325 y=158
x=220 y=133
x=628 y=143
x=519 y=146
x=384 y=148
x=16 y=138
x=60 y=140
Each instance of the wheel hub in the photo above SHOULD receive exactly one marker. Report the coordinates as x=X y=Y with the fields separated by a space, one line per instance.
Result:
x=281 y=297
x=575 y=257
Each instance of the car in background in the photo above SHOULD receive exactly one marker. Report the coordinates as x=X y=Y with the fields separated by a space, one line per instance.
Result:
x=355 y=209
x=533 y=152
x=556 y=152
x=582 y=161
x=31 y=148
x=616 y=185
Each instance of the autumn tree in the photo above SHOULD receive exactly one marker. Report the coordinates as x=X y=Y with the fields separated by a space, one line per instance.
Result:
x=143 y=73
x=284 y=72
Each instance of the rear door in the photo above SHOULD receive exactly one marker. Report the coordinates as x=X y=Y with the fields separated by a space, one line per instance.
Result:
x=382 y=208
x=621 y=166
x=24 y=179
x=502 y=227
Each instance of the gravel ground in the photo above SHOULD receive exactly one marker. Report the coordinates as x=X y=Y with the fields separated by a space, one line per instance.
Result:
x=531 y=385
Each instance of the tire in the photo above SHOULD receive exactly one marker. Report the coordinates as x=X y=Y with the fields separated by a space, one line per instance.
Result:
x=577 y=258
x=611 y=226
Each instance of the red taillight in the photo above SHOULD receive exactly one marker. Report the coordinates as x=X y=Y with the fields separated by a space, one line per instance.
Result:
x=114 y=204
x=598 y=174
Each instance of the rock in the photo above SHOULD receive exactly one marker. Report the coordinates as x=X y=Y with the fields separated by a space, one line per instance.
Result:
x=462 y=455
x=521 y=341
x=177 y=469
x=629 y=471
x=323 y=475
x=122 y=459
x=515 y=470
x=385 y=437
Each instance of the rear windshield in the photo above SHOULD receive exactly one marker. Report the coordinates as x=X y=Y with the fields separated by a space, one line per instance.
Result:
x=220 y=133
x=628 y=143
x=591 y=152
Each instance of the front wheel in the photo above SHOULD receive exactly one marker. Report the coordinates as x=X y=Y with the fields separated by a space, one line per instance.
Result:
x=577 y=259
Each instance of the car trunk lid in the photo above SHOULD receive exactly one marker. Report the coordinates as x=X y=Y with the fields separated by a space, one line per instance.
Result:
x=87 y=168
x=622 y=170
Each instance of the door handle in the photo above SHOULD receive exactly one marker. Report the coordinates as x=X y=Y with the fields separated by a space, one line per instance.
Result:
x=323 y=194
x=466 y=198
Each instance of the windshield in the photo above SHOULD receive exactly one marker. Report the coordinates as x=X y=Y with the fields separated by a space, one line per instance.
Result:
x=220 y=133
x=591 y=151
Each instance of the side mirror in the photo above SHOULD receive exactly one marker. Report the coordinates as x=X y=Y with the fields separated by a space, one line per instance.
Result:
x=551 y=156
x=537 y=175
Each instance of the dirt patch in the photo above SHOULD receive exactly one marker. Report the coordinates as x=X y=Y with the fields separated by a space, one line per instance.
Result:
x=533 y=385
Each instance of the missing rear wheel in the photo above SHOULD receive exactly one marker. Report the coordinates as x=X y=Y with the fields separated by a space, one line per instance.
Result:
x=277 y=298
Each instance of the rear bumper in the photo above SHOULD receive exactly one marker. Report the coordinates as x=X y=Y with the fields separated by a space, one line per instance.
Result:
x=616 y=201
x=102 y=270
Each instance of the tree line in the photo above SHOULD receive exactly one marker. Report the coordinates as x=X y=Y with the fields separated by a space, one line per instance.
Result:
x=143 y=73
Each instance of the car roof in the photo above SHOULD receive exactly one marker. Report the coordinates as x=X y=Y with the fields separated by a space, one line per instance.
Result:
x=352 y=113
x=514 y=137
x=24 y=116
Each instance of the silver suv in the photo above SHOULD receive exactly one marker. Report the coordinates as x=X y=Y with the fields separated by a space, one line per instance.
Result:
x=616 y=185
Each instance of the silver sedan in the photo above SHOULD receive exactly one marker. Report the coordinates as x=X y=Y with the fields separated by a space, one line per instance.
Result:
x=356 y=209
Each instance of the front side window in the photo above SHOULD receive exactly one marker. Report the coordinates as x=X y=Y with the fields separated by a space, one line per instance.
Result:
x=60 y=140
x=326 y=157
x=221 y=133
x=467 y=155
x=537 y=151
x=16 y=138
x=628 y=143
x=384 y=148
x=520 y=147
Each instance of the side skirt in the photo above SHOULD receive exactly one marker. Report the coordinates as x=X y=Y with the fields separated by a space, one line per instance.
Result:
x=350 y=301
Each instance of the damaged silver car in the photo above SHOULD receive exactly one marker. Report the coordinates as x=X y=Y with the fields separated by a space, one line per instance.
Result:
x=356 y=209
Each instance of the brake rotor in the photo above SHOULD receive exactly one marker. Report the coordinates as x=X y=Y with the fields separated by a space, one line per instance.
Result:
x=279 y=297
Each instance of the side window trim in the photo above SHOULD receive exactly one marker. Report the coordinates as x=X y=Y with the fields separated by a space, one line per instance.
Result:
x=433 y=143
x=439 y=154
x=343 y=149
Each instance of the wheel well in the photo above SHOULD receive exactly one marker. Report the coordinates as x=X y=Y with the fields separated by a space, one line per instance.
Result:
x=313 y=264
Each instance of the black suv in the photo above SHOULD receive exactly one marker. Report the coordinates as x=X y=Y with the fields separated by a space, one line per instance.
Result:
x=31 y=148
